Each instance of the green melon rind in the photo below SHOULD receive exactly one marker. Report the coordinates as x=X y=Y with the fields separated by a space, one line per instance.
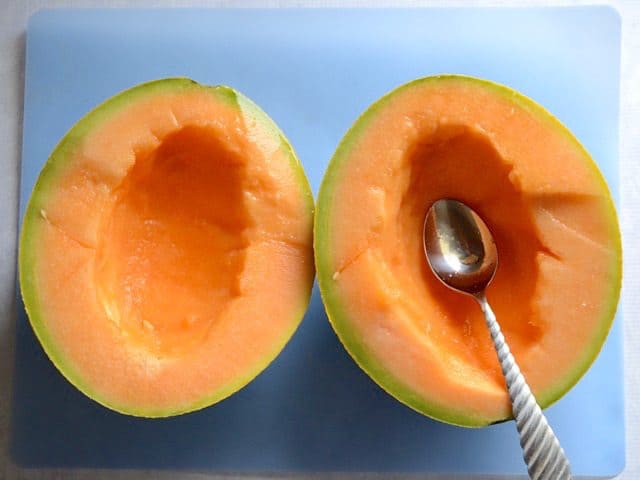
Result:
x=29 y=239
x=338 y=312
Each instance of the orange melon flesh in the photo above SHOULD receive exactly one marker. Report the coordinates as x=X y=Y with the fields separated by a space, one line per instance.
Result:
x=554 y=223
x=166 y=254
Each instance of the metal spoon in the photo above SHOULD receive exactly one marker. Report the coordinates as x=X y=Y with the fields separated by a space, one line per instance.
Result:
x=463 y=255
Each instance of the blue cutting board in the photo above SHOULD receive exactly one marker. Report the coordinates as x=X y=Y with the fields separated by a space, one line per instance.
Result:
x=314 y=71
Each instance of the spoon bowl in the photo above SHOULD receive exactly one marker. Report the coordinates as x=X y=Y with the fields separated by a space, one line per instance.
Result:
x=459 y=247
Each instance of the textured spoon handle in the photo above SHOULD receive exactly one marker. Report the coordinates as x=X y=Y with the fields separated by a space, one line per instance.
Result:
x=542 y=452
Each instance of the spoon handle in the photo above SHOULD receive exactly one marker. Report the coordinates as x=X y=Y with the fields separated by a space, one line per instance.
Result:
x=542 y=452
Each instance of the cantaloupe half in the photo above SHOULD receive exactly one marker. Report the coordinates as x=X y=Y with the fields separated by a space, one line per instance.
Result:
x=166 y=251
x=549 y=209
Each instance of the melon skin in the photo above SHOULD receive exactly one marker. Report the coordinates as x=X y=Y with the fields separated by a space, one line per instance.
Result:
x=265 y=137
x=353 y=312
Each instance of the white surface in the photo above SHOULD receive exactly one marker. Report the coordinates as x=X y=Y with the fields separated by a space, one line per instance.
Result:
x=13 y=20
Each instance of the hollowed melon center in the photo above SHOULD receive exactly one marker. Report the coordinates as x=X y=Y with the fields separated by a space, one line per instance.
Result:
x=172 y=248
x=461 y=162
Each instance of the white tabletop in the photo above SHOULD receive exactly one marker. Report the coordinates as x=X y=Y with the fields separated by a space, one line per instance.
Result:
x=13 y=20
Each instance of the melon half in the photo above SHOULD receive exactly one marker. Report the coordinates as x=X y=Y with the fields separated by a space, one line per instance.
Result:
x=166 y=251
x=559 y=273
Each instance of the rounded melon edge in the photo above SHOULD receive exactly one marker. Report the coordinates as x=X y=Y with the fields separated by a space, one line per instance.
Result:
x=337 y=312
x=28 y=239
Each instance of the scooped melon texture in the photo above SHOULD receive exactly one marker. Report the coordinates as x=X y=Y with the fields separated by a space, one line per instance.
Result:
x=558 y=279
x=166 y=251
